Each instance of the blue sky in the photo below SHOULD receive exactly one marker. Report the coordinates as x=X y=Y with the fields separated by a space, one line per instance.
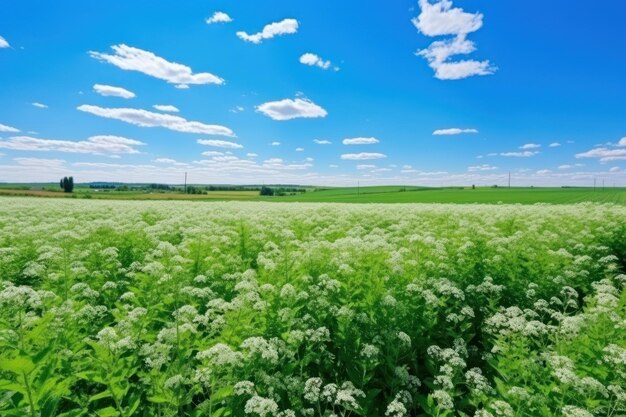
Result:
x=406 y=92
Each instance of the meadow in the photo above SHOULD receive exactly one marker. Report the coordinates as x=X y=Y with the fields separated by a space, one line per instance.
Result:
x=152 y=308
x=370 y=194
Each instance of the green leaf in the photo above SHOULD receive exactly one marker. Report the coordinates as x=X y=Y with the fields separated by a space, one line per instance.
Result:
x=18 y=365
x=107 y=412
x=158 y=399
x=103 y=394
x=6 y=385
x=222 y=393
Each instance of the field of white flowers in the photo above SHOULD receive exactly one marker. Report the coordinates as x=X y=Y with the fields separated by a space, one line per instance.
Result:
x=313 y=310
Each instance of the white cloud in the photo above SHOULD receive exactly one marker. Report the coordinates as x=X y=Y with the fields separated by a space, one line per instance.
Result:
x=439 y=19
x=360 y=141
x=622 y=142
x=530 y=146
x=322 y=141
x=108 y=90
x=40 y=105
x=362 y=156
x=543 y=172
x=97 y=145
x=604 y=154
x=166 y=108
x=299 y=149
x=484 y=167
x=212 y=153
x=554 y=145
x=284 y=27
x=566 y=166
x=251 y=155
x=237 y=109
x=135 y=59
x=144 y=118
x=365 y=167
x=220 y=143
x=40 y=163
x=4 y=43
x=275 y=143
x=288 y=109
x=615 y=169
x=219 y=17
x=5 y=128
x=525 y=154
x=438 y=53
x=169 y=161
x=315 y=60
x=453 y=131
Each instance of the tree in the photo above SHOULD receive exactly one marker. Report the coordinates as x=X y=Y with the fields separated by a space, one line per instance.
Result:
x=67 y=184
x=266 y=191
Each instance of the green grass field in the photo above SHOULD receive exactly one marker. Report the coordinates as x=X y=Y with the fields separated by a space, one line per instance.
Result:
x=379 y=194
x=390 y=194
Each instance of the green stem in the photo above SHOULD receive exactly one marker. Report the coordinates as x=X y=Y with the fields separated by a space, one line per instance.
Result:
x=29 y=394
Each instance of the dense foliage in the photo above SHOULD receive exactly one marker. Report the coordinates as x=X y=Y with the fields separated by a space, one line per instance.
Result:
x=182 y=309
x=67 y=184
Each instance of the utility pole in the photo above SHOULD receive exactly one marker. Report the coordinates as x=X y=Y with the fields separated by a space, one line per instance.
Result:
x=509 y=179
x=602 y=184
x=185 y=182
x=594 y=183
x=358 y=188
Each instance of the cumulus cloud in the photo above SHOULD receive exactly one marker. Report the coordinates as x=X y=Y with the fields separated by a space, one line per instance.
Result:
x=530 y=146
x=360 y=141
x=554 y=145
x=362 y=156
x=97 y=145
x=135 y=59
x=299 y=149
x=5 y=128
x=615 y=169
x=442 y=19
x=220 y=143
x=237 y=109
x=219 y=17
x=40 y=105
x=170 y=161
x=284 y=27
x=166 y=108
x=453 y=131
x=484 y=167
x=322 y=141
x=4 y=43
x=525 y=154
x=312 y=59
x=144 y=118
x=108 y=90
x=275 y=143
x=212 y=153
x=288 y=109
x=604 y=154
x=438 y=53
